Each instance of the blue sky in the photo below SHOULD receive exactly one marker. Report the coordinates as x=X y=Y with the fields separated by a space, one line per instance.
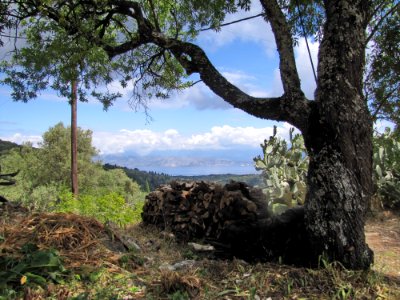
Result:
x=192 y=120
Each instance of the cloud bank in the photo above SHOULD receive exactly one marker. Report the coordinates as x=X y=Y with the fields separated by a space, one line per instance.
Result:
x=143 y=141
x=19 y=139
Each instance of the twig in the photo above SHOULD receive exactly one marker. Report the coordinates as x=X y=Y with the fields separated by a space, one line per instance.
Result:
x=233 y=22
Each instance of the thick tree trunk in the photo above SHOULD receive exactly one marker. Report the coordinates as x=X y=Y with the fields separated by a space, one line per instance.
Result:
x=339 y=142
x=337 y=201
x=74 y=140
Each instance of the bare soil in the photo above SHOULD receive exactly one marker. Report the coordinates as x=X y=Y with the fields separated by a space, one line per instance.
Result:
x=383 y=236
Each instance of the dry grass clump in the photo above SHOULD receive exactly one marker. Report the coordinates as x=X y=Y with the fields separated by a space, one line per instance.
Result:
x=12 y=213
x=171 y=282
x=78 y=239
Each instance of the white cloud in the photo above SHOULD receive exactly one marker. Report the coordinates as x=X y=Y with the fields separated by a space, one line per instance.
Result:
x=253 y=30
x=19 y=138
x=146 y=141
x=277 y=89
x=304 y=68
x=237 y=77
x=199 y=96
x=381 y=125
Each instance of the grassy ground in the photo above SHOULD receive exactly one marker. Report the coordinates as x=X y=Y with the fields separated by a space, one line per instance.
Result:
x=98 y=272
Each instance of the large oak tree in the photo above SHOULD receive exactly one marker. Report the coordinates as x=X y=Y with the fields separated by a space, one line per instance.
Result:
x=154 y=40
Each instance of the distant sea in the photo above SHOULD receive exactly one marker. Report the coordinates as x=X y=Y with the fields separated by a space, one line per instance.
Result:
x=201 y=170
x=187 y=163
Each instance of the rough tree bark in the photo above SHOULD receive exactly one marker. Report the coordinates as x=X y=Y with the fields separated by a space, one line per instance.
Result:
x=338 y=141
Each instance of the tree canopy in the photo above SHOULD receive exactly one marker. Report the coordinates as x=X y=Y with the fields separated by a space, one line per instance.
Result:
x=151 y=47
x=50 y=58
x=4 y=20
x=383 y=75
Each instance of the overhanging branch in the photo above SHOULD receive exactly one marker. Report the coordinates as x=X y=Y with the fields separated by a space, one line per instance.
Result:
x=291 y=107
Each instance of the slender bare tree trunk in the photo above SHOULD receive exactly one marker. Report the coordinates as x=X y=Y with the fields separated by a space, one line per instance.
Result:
x=74 y=139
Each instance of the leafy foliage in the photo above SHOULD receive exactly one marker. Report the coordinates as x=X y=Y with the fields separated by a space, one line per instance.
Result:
x=382 y=86
x=55 y=148
x=5 y=20
x=110 y=207
x=284 y=170
x=53 y=58
x=7 y=179
x=305 y=18
x=6 y=145
x=35 y=267
x=44 y=174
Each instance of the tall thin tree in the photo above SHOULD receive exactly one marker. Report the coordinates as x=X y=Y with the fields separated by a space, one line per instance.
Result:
x=74 y=139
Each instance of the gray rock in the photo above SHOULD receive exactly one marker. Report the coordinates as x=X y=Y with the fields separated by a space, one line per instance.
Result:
x=202 y=248
x=186 y=264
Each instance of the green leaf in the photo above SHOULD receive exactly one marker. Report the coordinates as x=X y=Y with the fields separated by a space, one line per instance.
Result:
x=260 y=165
x=45 y=259
x=36 y=279
x=279 y=208
x=378 y=171
x=381 y=152
x=293 y=188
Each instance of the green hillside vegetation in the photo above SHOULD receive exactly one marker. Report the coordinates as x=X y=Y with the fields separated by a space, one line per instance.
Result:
x=43 y=181
x=148 y=181
x=6 y=145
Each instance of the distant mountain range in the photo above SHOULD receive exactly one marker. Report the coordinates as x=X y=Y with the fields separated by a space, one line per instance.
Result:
x=149 y=181
x=159 y=168
x=6 y=145
x=187 y=163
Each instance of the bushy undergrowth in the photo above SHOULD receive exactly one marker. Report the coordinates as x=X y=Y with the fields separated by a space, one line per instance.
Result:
x=35 y=267
x=43 y=181
x=110 y=207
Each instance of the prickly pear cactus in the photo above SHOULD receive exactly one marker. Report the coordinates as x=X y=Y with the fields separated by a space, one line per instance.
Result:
x=284 y=167
x=386 y=174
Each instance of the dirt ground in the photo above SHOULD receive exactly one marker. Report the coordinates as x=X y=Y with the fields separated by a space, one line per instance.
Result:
x=383 y=236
